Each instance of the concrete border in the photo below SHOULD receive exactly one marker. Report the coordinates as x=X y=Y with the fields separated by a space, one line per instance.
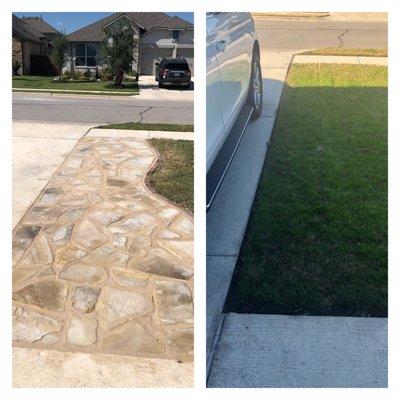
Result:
x=140 y=134
x=73 y=91
x=310 y=59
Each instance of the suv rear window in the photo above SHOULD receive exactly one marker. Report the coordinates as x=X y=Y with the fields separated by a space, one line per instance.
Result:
x=180 y=66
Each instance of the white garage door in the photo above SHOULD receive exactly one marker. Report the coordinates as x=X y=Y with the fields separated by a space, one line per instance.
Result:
x=188 y=54
x=149 y=58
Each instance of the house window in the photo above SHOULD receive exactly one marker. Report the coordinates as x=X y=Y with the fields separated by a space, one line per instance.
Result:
x=86 y=55
x=175 y=34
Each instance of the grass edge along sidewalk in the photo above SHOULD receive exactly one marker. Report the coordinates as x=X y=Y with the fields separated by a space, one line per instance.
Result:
x=143 y=126
x=316 y=241
x=45 y=84
x=345 y=51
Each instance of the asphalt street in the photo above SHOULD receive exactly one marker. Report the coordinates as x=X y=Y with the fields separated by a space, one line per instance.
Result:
x=305 y=34
x=40 y=107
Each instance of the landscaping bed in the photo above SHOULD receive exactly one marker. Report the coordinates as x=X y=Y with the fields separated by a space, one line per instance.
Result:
x=316 y=241
x=48 y=83
x=173 y=176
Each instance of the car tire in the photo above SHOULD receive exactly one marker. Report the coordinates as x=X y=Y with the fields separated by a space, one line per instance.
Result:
x=254 y=98
x=160 y=85
x=156 y=78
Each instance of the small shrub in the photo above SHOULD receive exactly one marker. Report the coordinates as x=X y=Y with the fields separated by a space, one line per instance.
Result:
x=16 y=65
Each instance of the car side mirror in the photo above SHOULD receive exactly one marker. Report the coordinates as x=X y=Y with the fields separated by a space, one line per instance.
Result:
x=157 y=64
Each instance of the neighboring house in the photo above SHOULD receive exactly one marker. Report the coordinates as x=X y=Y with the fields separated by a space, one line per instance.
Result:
x=159 y=35
x=29 y=44
x=40 y=25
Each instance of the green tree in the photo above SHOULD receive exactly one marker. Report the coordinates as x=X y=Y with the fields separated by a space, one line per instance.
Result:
x=60 y=52
x=118 y=49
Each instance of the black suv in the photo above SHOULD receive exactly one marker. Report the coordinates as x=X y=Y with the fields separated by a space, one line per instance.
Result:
x=173 y=71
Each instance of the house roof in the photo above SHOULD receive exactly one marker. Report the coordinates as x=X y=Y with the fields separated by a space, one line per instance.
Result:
x=24 y=32
x=145 y=20
x=40 y=24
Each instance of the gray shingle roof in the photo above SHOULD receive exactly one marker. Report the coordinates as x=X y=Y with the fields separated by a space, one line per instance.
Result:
x=146 y=20
x=40 y=24
x=24 y=31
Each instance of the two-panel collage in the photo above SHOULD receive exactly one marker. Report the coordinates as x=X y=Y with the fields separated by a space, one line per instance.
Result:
x=294 y=158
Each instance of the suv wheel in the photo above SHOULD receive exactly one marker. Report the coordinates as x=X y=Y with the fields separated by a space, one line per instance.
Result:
x=256 y=89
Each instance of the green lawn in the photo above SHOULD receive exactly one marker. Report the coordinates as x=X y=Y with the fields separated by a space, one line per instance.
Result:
x=316 y=241
x=174 y=175
x=343 y=51
x=45 y=82
x=149 y=127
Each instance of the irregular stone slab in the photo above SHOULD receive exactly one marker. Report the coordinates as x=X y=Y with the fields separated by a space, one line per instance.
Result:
x=167 y=234
x=132 y=338
x=83 y=273
x=82 y=331
x=182 y=340
x=121 y=305
x=168 y=213
x=126 y=203
x=178 y=248
x=138 y=245
x=19 y=276
x=74 y=200
x=105 y=217
x=163 y=267
x=142 y=223
x=50 y=294
x=174 y=302
x=71 y=215
x=40 y=214
x=40 y=250
x=22 y=238
x=108 y=255
x=130 y=279
x=31 y=327
x=62 y=235
x=84 y=298
x=183 y=225
x=51 y=195
x=117 y=182
x=88 y=235
x=120 y=242
x=69 y=254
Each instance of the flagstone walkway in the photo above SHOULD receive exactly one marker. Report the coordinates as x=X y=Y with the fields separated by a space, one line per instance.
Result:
x=100 y=263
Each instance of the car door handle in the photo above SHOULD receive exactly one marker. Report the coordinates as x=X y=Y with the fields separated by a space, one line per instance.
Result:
x=220 y=46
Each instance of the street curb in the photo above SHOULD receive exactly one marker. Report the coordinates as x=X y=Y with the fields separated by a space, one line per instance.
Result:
x=140 y=134
x=310 y=59
x=77 y=93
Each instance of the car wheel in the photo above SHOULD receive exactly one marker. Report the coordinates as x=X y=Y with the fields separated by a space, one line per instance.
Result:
x=159 y=84
x=156 y=78
x=256 y=89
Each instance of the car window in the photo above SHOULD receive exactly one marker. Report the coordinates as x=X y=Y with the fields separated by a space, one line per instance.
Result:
x=180 y=66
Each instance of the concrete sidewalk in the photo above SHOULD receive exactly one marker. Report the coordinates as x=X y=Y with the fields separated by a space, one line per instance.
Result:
x=257 y=350
x=227 y=218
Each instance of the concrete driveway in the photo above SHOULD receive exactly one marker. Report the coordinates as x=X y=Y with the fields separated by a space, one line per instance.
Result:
x=149 y=89
x=38 y=150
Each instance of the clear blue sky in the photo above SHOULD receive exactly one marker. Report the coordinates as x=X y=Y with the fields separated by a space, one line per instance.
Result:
x=71 y=21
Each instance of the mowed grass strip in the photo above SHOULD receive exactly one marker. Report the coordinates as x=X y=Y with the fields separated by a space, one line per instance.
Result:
x=149 y=127
x=173 y=177
x=345 y=51
x=48 y=83
x=316 y=241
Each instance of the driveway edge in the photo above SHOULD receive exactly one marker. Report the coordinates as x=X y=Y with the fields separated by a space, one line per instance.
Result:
x=140 y=134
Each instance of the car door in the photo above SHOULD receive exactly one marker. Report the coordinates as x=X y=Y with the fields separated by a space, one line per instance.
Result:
x=214 y=124
x=233 y=34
